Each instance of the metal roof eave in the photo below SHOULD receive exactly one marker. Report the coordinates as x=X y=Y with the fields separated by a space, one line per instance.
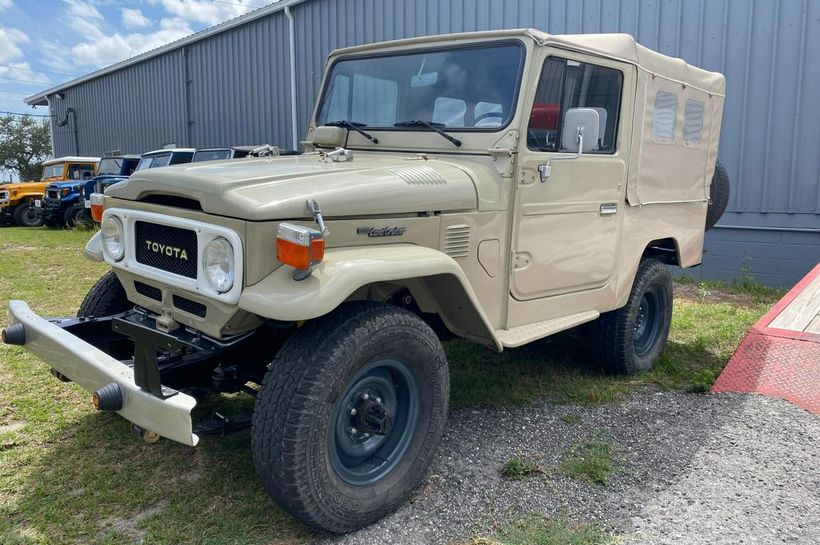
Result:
x=41 y=99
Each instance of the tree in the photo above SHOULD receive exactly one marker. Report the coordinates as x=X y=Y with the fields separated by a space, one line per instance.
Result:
x=24 y=144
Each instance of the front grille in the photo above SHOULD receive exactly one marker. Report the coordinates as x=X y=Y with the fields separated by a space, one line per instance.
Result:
x=191 y=307
x=53 y=194
x=148 y=291
x=167 y=248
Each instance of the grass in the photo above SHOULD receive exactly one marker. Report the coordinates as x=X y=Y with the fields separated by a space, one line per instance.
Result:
x=536 y=530
x=589 y=460
x=744 y=286
x=519 y=469
x=571 y=419
x=71 y=475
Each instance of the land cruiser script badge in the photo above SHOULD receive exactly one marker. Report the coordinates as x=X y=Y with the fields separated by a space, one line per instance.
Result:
x=373 y=232
x=167 y=249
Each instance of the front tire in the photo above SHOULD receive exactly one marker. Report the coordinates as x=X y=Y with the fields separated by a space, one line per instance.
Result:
x=350 y=414
x=105 y=298
x=631 y=339
x=27 y=215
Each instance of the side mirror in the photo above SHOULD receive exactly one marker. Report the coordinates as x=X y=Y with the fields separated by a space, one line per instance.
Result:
x=580 y=131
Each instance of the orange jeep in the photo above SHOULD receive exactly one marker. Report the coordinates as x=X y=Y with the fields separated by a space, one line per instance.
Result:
x=19 y=202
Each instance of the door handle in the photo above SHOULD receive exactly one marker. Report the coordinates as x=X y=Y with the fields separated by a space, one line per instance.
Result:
x=608 y=208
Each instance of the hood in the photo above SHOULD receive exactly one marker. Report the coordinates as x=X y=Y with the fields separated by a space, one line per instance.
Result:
x=16 y=186
x=272 y=188
x=61 y=185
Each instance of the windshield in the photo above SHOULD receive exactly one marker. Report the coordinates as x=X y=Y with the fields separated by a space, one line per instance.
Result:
x=53 y=171
x=110 y=166
x=472 y=86
x=211 y=155
x=154 y=161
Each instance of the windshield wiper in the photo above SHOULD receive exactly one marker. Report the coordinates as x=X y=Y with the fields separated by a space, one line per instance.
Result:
x=355 y=125
x=438 y=127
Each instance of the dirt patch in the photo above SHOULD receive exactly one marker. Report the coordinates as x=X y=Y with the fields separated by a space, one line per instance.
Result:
x=12 y=427
x=129 y=526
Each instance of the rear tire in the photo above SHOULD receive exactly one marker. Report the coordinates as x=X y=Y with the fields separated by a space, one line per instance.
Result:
x=105 y=298
x=315 y=458
x=27 y=215
x=631 y=339
x=718 y=195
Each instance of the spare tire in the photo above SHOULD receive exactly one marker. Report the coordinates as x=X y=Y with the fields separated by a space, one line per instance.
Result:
x=718 y=195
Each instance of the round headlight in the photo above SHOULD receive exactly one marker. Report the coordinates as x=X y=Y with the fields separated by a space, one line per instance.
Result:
x=112 y=238
x=218 y=264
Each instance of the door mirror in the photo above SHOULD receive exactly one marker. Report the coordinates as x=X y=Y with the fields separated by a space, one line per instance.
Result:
x=581 y=126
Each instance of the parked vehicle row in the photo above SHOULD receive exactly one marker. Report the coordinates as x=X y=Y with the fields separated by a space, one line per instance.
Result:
x=62 y=197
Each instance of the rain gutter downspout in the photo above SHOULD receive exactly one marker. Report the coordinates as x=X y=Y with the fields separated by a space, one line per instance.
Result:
x=293 y=119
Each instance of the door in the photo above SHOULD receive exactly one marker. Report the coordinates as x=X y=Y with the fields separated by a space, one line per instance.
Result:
x=567 y=223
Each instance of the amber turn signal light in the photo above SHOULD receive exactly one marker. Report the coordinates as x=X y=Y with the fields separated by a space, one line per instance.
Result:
x=97 y=200
x=298 y=246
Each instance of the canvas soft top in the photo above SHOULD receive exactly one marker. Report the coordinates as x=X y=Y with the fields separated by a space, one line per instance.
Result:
x=624 y=47
x=621 y=47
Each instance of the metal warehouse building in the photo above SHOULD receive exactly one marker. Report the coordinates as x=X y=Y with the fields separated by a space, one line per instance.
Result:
x=254 y=79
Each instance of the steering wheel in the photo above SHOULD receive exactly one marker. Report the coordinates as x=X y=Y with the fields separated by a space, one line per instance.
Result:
x=485 y=115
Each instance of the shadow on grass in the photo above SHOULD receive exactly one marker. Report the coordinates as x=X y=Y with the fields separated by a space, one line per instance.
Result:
x=97 y=482
x=94 y=481
x=563 y=368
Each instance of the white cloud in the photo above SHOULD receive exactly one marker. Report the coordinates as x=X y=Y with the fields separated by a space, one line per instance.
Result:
x=22 y=70
x=5 y=4
x=12 y=39
x=133 y=18
x=99 y=49
x=198 y=11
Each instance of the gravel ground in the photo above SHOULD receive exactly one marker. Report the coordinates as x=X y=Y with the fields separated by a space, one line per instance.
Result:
x=716 y=469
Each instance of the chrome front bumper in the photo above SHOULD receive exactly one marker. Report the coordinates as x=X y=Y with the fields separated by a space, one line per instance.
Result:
x=92 y=369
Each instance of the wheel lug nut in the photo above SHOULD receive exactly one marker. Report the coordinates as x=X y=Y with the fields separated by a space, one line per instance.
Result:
x=365 y=396
x=353 y=412
x=366 y=435
x=353 y=431
x=378 y=400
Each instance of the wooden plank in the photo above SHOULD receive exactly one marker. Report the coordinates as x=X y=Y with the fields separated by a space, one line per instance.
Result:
x=814 y=326
x=802 y=310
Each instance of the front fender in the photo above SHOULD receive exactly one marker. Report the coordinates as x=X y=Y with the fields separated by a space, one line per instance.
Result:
x=344 y=270
x=93 y=248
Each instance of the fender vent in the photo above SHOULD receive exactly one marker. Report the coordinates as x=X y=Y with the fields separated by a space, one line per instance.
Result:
x=457 y=241
x=419 y=175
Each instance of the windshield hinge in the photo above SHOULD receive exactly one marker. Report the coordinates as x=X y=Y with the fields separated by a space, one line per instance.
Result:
x=503 y=153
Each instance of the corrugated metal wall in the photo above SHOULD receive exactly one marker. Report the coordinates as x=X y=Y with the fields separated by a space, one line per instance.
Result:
x=238 y=89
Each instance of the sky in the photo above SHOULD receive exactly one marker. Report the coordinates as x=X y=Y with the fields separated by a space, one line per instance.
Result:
x=47 y=42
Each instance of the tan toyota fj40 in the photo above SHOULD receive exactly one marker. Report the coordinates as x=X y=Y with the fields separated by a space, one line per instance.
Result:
x=496 y=186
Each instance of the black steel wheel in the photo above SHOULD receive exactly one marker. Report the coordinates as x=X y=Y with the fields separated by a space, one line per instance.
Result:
x=76 y=217
x=350 y=414
x=631 y=339
x=27 y=215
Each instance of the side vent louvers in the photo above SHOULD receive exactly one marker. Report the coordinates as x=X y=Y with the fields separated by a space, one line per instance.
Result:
x=457 y=241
